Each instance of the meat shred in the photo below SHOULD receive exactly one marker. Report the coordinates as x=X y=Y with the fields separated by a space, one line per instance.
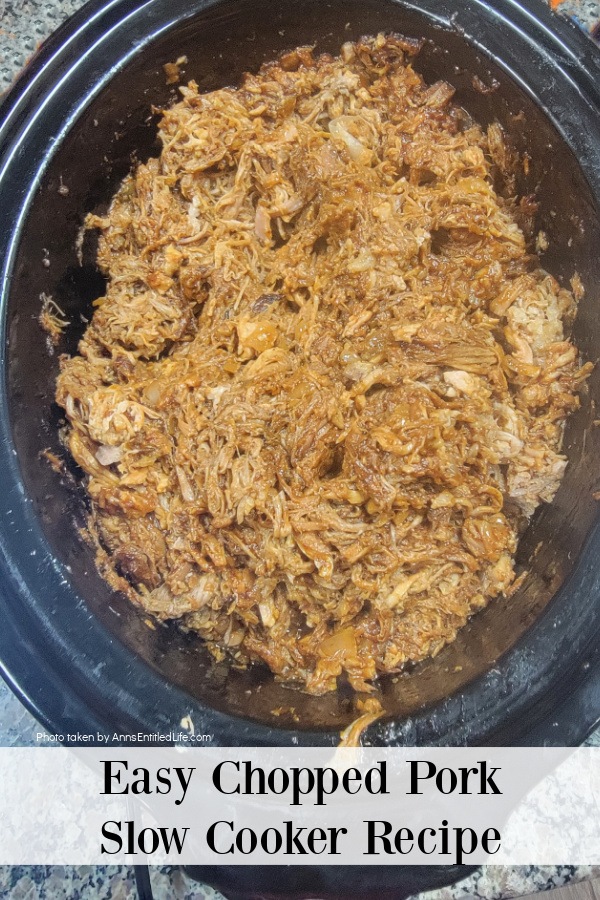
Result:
x=327 y=385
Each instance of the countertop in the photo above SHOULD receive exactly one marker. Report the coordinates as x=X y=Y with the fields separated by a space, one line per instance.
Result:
x=24 y=24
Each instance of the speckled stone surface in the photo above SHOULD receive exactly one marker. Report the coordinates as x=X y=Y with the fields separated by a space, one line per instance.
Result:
x=23 y=26
x=585 y=12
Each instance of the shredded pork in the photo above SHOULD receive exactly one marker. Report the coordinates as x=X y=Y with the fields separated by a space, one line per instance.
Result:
x=326 y=387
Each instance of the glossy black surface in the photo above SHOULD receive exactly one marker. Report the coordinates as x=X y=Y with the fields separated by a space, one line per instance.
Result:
x=80 y=656
x=326 y=882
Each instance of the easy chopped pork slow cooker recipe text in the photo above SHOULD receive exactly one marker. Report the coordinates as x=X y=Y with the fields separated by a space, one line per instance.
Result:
x=327 y=385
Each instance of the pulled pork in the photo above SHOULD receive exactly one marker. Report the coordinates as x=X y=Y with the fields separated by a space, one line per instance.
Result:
x=327 y=385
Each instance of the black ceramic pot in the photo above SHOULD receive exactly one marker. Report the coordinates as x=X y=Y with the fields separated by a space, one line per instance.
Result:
x=526 y=669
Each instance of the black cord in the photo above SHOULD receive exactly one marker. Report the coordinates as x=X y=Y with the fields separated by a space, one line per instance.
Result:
x=142 y=873
x=142 y=880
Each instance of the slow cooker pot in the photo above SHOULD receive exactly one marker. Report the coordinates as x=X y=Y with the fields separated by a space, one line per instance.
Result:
x=526 y=669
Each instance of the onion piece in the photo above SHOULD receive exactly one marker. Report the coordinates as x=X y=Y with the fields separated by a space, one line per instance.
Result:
x=358 y=152
x=107 y=455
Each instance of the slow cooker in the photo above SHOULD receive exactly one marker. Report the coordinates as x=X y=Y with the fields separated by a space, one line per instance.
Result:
x=526 y=670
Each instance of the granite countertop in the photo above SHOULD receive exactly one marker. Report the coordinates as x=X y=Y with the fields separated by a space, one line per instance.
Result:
x=24 y=24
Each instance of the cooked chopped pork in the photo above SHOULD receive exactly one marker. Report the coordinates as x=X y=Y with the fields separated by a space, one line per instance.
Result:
x=327 y=384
